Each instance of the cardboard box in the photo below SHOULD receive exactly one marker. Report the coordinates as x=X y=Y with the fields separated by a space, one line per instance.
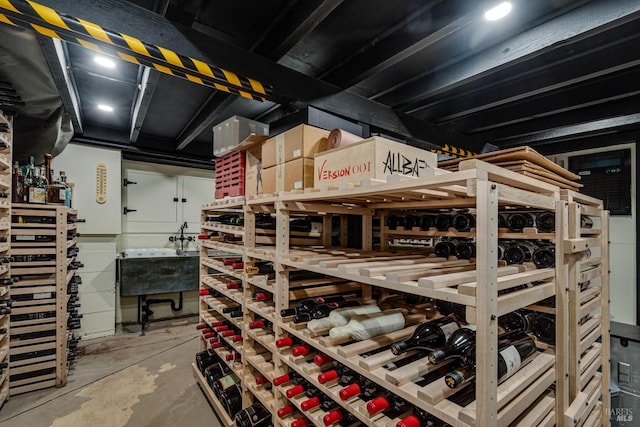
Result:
x=233 y=131
x=253 y=171
x=299 y=142
x=294 y=175
x=372 y=158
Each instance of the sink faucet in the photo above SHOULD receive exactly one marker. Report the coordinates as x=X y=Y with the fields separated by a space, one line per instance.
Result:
x=181 y=238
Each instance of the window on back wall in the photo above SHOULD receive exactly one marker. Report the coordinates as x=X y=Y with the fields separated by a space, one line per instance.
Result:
x=606 y=176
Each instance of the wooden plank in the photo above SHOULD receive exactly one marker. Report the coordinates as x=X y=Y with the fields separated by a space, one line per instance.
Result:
x=362 y=261
x=16 y=363
x=415 y=272
x=504 y=176
x=591 y=324
x=604 y=313
x=515 y=300
x=405 y=261
x=301 y=293
x=536 y=415
x=507 y=280
x=39 y=379
x=578 y=408
x=15 y=389
x=16 y=370
x=377 y=342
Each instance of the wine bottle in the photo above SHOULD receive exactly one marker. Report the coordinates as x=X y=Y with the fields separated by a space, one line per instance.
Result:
x=340 y=317
x=442 y=222
x=395 y=221
x=260 y=324
x=520 y=320
x=426 y=222
x=366 y=326
x=266 y=222
x=512 y=355
x=306 y=305
x=518 y=221
x=389 y=404
x=456 y=345
x=321 y=311
x=253 y=416
x=544 y=256
x=543 y=327
x=229 y=393
x=465 y=250
x=445 y=248
x=262 y=296
x=301 y=422
x=546 y=222
x=420 y=418
x=428 y=336
x=463 y=221
x=205 y=359
x=519 y=253
x=362 y=387
x=411 y=221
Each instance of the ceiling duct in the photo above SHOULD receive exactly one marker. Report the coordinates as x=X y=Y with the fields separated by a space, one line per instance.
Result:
x=41 y=125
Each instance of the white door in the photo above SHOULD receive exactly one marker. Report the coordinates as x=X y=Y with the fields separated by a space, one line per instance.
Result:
x=195 y=193
x=151 y=203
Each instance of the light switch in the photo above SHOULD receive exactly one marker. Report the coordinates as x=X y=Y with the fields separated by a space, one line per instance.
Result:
x=624 y=373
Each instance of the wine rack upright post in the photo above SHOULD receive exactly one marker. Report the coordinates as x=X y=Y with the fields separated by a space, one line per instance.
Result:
x=6 y=138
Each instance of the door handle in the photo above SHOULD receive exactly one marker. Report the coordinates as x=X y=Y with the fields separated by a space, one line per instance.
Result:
x=175 y=199
x=126 y=210
x=126 y=182
x=184 y=200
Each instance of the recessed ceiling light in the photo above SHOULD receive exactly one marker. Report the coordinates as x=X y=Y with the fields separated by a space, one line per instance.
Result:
x=105 y=107
x=104 y=61
x=498 y=12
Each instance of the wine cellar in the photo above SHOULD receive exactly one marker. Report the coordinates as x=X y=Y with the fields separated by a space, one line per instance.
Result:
x=281 y=357
x=319 y=213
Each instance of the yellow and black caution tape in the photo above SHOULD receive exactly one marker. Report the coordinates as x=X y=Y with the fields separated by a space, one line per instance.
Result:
x=48 y=22
x=455 y=152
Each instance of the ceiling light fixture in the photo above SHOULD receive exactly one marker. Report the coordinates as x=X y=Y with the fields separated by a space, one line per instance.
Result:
x=104 y=61
x=498 y=12
x=104 y=107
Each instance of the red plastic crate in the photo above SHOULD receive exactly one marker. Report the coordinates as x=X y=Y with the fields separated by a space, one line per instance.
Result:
x=230 y=170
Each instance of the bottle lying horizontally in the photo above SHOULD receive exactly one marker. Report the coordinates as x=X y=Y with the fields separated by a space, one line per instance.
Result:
x=513 y=353
x=366 y=326
x=320 y=311
x=340 y=317
x=428 y=336
x=253 y=416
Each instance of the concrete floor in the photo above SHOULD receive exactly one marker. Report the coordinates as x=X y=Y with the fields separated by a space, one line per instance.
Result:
x=123 y=381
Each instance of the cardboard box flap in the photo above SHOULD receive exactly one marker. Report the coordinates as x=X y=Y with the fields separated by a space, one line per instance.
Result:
x=249 y=142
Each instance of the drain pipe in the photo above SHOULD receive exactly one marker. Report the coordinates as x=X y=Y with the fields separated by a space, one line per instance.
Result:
x=146 y=311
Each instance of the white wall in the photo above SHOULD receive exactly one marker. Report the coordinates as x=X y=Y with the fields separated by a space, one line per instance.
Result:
x=102 y=237
x=127 y=307
x=97 y=242
x=622 y=250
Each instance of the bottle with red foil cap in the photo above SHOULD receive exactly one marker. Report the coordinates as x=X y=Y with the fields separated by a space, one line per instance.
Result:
x=200 y=326
x=335 y=416
x=300 y=422
x=300 y=350
x=238 y=265
x=234 y=285
x=285 y=410
x=362 y=387
x=421 y=418
x=284 y=379
x=262 y=380
x=262 y=296
x=203 y=292
x=389 y=404
x=260 y=324
x=322 y=359
x=230 y=261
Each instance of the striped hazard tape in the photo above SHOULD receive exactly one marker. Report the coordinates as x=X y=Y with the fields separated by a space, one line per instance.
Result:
x=48 y=22
x=455 y=152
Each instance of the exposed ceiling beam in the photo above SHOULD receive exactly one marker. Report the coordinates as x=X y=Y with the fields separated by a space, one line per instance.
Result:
x=603 y=127
x=301 y=18
x=590 y=142
x=396 y=44
x=596 y=112
x=597 y=92
x=559 y=33
x=593 y=60
x=56 y=58
x=146 y=88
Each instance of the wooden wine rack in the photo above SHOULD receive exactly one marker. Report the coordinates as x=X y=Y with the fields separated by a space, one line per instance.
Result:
x=5 y=233
x=539 y=394
x=41 y=361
